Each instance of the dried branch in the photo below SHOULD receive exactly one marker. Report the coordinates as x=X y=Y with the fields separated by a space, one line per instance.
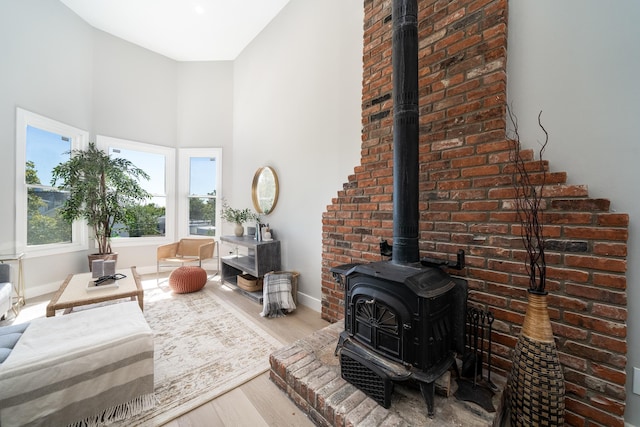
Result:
x=529 y=207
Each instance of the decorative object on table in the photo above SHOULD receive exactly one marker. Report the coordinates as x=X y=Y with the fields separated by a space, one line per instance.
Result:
x=102 y=190
x=109 y=268
x=266 y=233
x=237 y=217
x=536 y=386
x=258 y=236
x=97 y=268
x=277 y=291
x=106 y=282
x=187 y=279
x=472 y=385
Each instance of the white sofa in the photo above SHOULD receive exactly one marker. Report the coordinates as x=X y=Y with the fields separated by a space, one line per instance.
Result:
x=78 y=369
x=5 y=290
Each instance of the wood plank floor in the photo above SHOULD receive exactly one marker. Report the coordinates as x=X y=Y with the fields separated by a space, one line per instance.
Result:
x=258 y=402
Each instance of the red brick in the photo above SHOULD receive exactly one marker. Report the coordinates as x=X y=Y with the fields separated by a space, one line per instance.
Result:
x=597 y=263
x=612 y=312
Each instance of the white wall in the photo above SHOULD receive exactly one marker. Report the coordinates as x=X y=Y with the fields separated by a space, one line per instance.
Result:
x=297 y=108
x=134 y=92
x=205 y=112
x=46 y=54
x=577 y=61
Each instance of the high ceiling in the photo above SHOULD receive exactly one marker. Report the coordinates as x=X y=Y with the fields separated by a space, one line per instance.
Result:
x=184 y=30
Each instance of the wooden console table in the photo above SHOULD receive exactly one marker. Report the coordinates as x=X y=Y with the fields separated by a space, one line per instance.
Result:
x=261 y=258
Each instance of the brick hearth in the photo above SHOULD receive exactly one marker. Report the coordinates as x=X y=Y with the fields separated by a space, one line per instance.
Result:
x=309 y=372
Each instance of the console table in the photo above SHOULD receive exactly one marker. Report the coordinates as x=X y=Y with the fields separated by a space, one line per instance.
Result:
x=261 y=258
x=18 y=286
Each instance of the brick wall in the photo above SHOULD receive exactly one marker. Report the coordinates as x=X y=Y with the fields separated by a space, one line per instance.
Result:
x=466 y=202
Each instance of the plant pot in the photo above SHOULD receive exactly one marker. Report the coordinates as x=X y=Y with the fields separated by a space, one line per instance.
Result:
x=238 y=230
x=536 y=386
x=105 y=257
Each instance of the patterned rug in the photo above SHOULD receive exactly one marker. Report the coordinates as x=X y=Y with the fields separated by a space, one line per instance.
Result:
x=204 y=347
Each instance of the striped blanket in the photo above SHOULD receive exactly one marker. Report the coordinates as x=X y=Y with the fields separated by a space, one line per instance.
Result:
x=80 y=369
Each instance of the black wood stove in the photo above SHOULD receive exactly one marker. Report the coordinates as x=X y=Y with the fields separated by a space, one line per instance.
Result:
x=404 y=318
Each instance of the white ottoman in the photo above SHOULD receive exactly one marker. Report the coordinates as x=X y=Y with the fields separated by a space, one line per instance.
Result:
x=79 y=368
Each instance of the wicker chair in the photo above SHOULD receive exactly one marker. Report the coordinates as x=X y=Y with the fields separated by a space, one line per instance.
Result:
x=185 y=251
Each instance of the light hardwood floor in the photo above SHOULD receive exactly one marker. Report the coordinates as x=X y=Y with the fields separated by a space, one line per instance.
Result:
x=258 y=402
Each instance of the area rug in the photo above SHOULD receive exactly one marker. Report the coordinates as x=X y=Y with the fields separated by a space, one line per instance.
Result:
x=204 y=347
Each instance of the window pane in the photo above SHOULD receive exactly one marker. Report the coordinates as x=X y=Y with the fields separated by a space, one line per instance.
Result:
x=44 y=225
x=146 y=220
x=202 y=216
x=152 y=163
x=45 y=150
x=202 y=179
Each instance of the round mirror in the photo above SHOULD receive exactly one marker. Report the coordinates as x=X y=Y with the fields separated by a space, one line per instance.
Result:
x=264 y=190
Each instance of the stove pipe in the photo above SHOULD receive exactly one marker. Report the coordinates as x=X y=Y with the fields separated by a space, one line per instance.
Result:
x=405 y=132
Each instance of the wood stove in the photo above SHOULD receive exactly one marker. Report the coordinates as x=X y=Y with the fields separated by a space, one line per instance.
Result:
x=404 y=318
x=401 y=323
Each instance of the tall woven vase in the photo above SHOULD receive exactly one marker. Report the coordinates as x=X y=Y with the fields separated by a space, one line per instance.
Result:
x=536 y=388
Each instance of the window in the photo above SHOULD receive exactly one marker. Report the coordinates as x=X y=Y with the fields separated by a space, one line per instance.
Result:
x=199 y=194
x=41 y=144
x=151 y=221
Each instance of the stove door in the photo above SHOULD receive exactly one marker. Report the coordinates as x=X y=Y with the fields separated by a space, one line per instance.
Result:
x=382 y=322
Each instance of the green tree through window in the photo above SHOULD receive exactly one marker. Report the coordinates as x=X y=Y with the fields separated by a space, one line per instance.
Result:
x=44 y=225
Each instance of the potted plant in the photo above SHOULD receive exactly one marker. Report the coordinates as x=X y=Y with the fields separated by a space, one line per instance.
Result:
x=101 y=190
x=237 y=217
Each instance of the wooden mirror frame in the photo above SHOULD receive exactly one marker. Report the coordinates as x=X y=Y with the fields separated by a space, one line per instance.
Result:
x=258 y=186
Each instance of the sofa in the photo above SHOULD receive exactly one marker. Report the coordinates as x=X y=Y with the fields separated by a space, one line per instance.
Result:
x=5 y=290
x=84 y=368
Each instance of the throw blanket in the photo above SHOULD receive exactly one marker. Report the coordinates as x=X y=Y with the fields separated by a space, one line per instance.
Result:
x=276 y=295
x=85 y=368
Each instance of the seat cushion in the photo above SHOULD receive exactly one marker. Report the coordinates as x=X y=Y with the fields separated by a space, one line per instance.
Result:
x=187 y=279
x=9 y=336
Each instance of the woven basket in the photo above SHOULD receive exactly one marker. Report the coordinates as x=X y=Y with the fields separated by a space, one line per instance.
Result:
x=536 y=386
x=249 y=283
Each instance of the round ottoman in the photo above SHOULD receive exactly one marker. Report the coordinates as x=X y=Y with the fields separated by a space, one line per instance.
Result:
x=187 y=279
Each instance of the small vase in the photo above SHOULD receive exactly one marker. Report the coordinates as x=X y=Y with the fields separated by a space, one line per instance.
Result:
x=536 y=386
x=238 y=230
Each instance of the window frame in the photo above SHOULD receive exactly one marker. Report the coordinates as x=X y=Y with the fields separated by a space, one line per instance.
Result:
x=105 y=143
x=184 y=165
x=79 y=139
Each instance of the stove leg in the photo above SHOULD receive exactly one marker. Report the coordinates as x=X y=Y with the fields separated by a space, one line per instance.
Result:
x=428 y=391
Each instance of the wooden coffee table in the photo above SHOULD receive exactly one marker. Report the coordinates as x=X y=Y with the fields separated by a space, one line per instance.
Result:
x=74 y=292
